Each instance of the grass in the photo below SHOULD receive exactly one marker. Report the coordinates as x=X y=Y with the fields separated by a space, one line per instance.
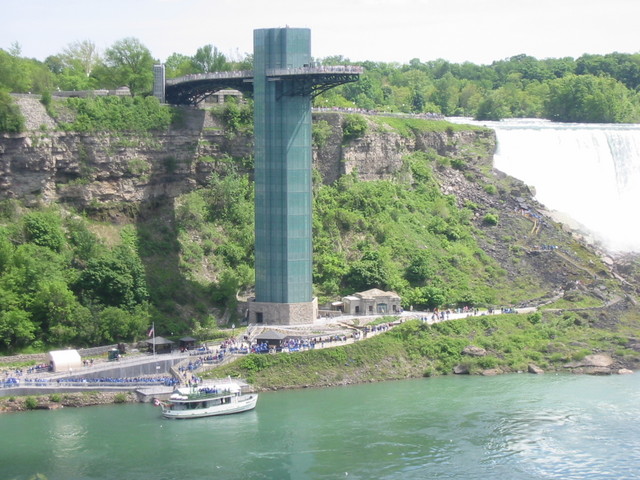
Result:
x=581 y=301
x=407 y=127
x=415 y=349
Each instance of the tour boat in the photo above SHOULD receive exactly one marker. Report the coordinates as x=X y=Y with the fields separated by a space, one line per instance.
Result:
x=207 y=400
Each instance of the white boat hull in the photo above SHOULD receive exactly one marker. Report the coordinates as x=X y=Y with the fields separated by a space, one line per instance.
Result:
x=240 y=404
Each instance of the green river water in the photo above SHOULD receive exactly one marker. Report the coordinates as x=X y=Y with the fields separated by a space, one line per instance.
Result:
x=505 y=427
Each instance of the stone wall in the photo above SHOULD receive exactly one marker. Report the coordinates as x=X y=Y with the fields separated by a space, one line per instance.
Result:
x=265 y=313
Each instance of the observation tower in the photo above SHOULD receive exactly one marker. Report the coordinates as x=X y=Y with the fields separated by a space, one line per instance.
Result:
x=284 y=82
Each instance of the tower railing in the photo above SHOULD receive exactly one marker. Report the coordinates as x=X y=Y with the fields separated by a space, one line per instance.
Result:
x=341 y=69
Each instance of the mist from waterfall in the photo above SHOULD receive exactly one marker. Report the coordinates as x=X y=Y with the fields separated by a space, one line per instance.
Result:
x=587 y=172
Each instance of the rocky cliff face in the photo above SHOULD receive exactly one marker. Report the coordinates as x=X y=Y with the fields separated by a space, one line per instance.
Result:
x=87 y=170
x=379 y=154
x=106 y=169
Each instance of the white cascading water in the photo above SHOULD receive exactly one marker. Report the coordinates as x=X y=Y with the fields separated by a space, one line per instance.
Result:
x=587 y=172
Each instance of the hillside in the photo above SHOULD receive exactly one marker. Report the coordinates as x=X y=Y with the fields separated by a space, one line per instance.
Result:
x=130 y=228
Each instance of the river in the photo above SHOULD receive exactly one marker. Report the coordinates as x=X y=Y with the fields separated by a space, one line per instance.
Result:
x=458 y=427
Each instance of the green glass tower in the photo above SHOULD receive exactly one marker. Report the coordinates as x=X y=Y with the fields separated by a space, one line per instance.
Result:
x=284 y=81
x=282 y=123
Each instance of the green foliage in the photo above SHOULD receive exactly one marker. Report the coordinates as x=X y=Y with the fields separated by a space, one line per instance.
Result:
x=138 y=166
x=534 y=318
x=44 y=229
x=11 y=119
x=130 y=63
x=209 y=59
x=31 y=403
x=513 y=343
x=16 y=328
x=490 y=219
x=354 y=126
x=19 y=75
x=321 y=133
x=115 y=278
x=120 y=398
x=61 y=286
x=587 y=98
x=387 y=235
x=238 y=117
x=46 y=99
x=117 y=114
x=490 y=189
x=603 y=87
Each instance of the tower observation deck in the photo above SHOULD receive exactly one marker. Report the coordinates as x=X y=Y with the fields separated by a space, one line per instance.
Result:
x=308 y=80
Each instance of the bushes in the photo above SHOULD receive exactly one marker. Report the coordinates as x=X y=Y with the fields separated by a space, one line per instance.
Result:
x=11 y=120
x=120 y=398
x=237 y=117
x=321 y=132
x=44 y=229
x=490 y=219
x=354 y=126
x=117 y=114
x=411 y=239
x=61 y=286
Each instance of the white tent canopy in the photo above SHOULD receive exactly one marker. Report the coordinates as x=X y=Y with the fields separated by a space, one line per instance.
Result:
x=64 y=360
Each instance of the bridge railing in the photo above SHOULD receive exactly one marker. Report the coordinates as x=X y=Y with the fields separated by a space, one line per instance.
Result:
x=210 y=76
x=270 y=72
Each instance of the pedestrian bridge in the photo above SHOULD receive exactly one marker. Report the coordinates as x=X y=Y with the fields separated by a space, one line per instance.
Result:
x=312 y=80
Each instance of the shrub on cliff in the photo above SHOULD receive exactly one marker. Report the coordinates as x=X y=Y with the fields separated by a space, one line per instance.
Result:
x=117 y=114
x=238 y=117
x=354 y=126
x=11 y=120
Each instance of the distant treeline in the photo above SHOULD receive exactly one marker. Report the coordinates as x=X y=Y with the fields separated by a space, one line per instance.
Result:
x=592 y=88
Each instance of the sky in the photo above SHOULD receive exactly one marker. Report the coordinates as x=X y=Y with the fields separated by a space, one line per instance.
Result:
x=478 y=31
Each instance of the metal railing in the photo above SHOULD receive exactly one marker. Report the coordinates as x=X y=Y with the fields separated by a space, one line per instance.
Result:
x=337 y=69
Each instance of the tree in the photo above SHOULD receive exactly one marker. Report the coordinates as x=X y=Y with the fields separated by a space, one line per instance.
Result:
x=115 y=279
x=587 y=98
x=16 y=328
x=116 y=324
x=14 y=72
x=11 y=119
x=371 y=271
x=54 y=307
x=354 y=126
x=447 y=94
x=208 y=59
x=75 y=66
x=44 y=229
x=130 y=63
x=178 y=65
x=81 y=56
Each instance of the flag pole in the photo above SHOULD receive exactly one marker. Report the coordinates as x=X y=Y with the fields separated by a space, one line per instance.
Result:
x=153 y=329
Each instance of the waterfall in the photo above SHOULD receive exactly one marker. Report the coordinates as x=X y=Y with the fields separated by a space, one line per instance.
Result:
x=589 y=173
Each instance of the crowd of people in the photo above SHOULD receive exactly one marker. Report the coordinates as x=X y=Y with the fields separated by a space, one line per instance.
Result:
x=187 y=372
x=78 y=381
x=364 y=111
